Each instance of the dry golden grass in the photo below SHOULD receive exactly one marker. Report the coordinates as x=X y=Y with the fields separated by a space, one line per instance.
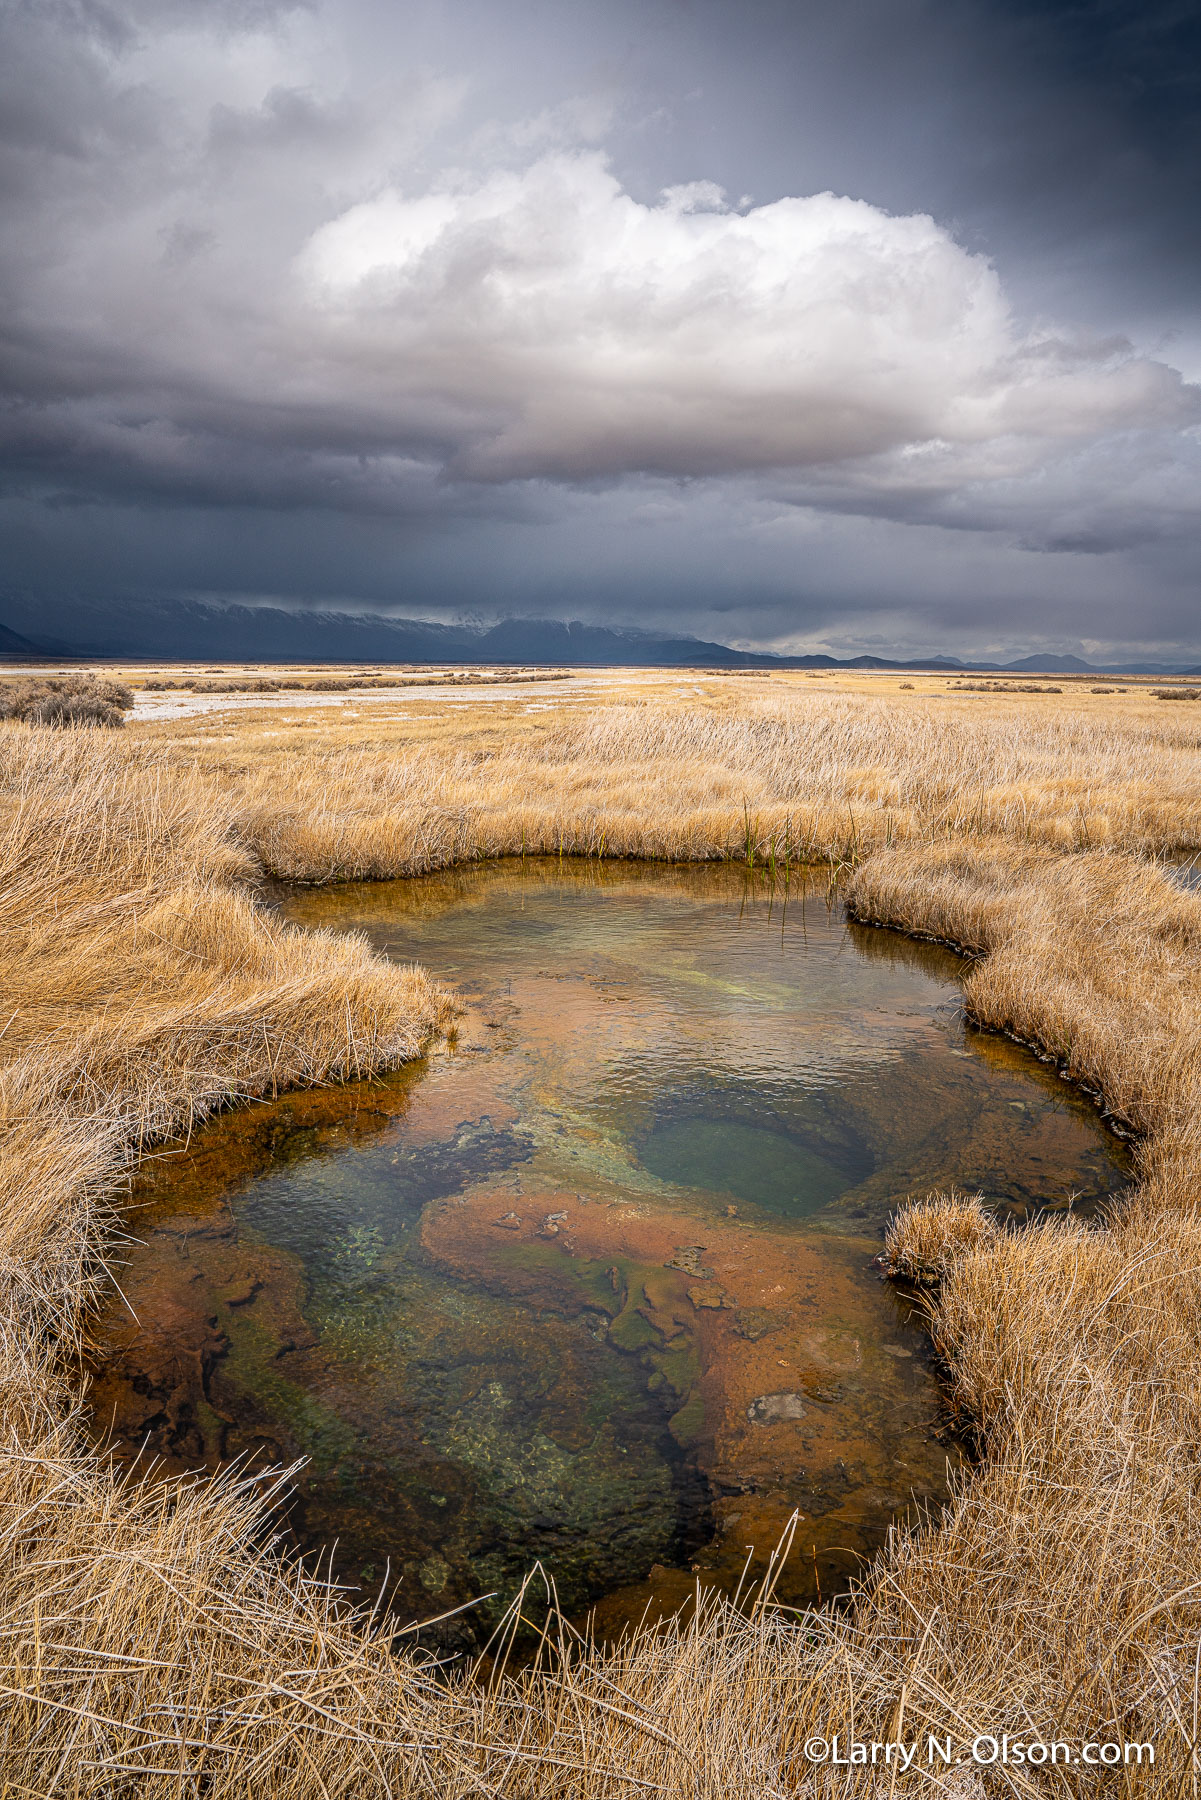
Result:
x=926 y=1241
x=142 y=987
x=152 y=1643
x=1076 y=1547
x=808 y=773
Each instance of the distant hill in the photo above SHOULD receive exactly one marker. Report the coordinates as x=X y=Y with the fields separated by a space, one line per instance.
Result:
x=193 y=631
x=13 y=644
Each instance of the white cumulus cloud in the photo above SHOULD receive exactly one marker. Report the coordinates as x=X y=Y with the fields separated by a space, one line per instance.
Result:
x=576 y=332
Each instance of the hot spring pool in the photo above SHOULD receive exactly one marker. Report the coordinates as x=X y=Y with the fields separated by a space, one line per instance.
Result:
x=594 y=1285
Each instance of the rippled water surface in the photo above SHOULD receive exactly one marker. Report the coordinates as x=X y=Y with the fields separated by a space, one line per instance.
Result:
x=593 y=1285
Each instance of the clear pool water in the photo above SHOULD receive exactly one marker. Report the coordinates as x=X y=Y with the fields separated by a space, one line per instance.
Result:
x=594 y=1285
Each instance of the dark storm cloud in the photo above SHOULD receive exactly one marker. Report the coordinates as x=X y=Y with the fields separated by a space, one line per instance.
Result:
x=1064 y=139
x=1123 y=180
x=352 y=303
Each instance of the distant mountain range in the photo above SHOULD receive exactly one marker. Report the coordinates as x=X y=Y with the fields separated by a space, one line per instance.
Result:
x=13 y=644
x=195 y=631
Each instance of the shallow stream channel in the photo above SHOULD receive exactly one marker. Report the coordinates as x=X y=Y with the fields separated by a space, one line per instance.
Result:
x=593 y=1285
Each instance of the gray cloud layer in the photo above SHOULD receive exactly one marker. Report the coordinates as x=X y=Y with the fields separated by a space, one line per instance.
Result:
x=296 y=309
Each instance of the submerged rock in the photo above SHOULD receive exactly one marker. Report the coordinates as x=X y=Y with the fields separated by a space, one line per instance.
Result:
x=773 y=1409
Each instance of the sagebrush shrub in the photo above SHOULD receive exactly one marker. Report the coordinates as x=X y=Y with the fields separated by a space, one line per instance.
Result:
x=66 y=700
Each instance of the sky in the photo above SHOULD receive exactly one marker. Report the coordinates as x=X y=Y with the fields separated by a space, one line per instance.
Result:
x=859 y=328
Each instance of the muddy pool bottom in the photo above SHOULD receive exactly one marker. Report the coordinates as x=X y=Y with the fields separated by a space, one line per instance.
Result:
x=592 y=1287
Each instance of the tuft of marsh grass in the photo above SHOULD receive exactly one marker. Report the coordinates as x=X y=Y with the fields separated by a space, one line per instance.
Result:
x=929 y=1237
